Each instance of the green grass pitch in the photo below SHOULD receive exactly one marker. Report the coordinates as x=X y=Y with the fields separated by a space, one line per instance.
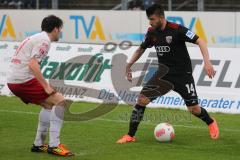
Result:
x=95 y=139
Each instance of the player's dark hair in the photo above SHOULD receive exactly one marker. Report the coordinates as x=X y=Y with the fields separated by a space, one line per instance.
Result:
x=50 y=22
x=155 y=9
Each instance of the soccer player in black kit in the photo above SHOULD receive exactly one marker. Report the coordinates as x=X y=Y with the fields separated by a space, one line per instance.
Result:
x=169 y=41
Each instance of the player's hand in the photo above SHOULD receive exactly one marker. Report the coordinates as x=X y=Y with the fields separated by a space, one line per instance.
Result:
x=209 y=69
x=49 y=90
x=128 y=74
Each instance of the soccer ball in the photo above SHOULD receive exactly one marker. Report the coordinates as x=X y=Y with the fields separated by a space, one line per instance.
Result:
x=164 y=132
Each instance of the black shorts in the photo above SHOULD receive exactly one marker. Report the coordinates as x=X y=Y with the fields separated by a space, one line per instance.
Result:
x=183 y=84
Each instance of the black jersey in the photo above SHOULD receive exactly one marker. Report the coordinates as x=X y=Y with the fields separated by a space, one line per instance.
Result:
x=170 y=46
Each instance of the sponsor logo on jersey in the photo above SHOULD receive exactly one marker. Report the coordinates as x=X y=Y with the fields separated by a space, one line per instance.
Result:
x=190 y=34
x=162 y=49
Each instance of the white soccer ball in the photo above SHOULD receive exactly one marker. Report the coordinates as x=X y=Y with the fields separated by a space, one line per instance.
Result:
x=164 y=132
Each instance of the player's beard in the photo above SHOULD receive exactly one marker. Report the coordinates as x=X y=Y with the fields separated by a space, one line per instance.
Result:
x=158 y=25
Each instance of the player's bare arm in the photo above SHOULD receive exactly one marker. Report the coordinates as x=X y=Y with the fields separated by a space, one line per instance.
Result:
x=138 y=53
x=207 y=63
x=35 y=68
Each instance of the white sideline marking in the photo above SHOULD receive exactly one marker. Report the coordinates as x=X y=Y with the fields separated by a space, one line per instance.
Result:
x=20 y=112
x=121 y=121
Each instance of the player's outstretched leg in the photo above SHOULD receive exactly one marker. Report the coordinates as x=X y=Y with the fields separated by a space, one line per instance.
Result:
x=203 y=115
x=135 y=119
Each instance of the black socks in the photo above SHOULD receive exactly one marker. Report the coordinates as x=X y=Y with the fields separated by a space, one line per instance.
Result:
x=138 y=113
x=205 y=116
x=135 y=119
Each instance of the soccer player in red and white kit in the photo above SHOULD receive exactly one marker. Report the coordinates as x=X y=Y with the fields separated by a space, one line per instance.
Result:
x=27 y=82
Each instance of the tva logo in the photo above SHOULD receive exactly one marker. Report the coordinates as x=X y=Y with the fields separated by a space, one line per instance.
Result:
x=194 y=25
x=6 y=28
x=93 y=29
